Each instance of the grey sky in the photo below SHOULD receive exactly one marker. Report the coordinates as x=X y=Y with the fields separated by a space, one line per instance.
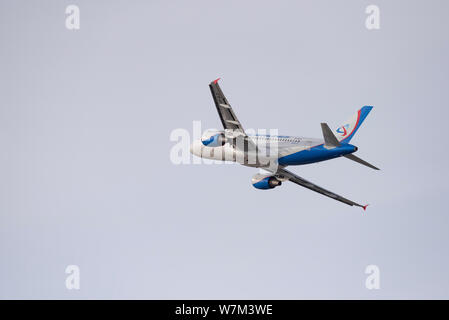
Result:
x=85 y=119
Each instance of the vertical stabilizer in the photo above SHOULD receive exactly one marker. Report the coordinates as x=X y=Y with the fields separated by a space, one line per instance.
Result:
x=345 y=132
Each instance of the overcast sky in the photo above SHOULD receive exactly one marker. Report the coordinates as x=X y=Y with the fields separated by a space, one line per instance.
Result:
x=86 y=177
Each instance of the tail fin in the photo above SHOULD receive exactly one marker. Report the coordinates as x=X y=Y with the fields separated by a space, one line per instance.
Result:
x=347 y=130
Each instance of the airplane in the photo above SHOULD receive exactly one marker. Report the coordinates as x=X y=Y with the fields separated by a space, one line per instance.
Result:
x=273 y=153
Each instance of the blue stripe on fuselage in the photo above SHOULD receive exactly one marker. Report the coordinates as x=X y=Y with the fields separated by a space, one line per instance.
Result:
x=316 y=154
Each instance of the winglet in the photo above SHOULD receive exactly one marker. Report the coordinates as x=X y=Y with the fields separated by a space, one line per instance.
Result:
x=364 y=207
x=216 y=80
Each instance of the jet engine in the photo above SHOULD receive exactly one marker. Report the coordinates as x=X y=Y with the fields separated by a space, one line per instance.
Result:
x=265 y=182
x=213 y=139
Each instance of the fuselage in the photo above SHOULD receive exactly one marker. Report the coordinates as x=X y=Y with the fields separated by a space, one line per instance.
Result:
x=284 y=150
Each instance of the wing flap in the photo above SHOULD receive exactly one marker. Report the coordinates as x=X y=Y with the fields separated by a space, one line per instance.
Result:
x=233 y=122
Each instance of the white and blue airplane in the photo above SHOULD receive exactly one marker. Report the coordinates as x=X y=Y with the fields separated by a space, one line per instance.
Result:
x=273 y=153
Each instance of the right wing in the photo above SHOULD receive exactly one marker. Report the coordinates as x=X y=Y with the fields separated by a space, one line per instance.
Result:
x=229 y=120
x=227 y=115
x=282 y=173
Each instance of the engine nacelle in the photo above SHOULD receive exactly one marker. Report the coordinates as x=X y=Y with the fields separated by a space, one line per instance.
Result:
x=264 y=182
x=213 y=139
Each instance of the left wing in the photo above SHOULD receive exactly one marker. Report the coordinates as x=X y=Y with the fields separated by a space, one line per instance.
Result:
x=282 y=173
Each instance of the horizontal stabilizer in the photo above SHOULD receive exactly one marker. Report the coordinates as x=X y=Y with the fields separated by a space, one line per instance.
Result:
x=357 y=159
x=330 y=140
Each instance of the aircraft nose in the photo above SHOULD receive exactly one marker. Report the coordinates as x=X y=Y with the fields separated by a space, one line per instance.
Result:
x=195 y=148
